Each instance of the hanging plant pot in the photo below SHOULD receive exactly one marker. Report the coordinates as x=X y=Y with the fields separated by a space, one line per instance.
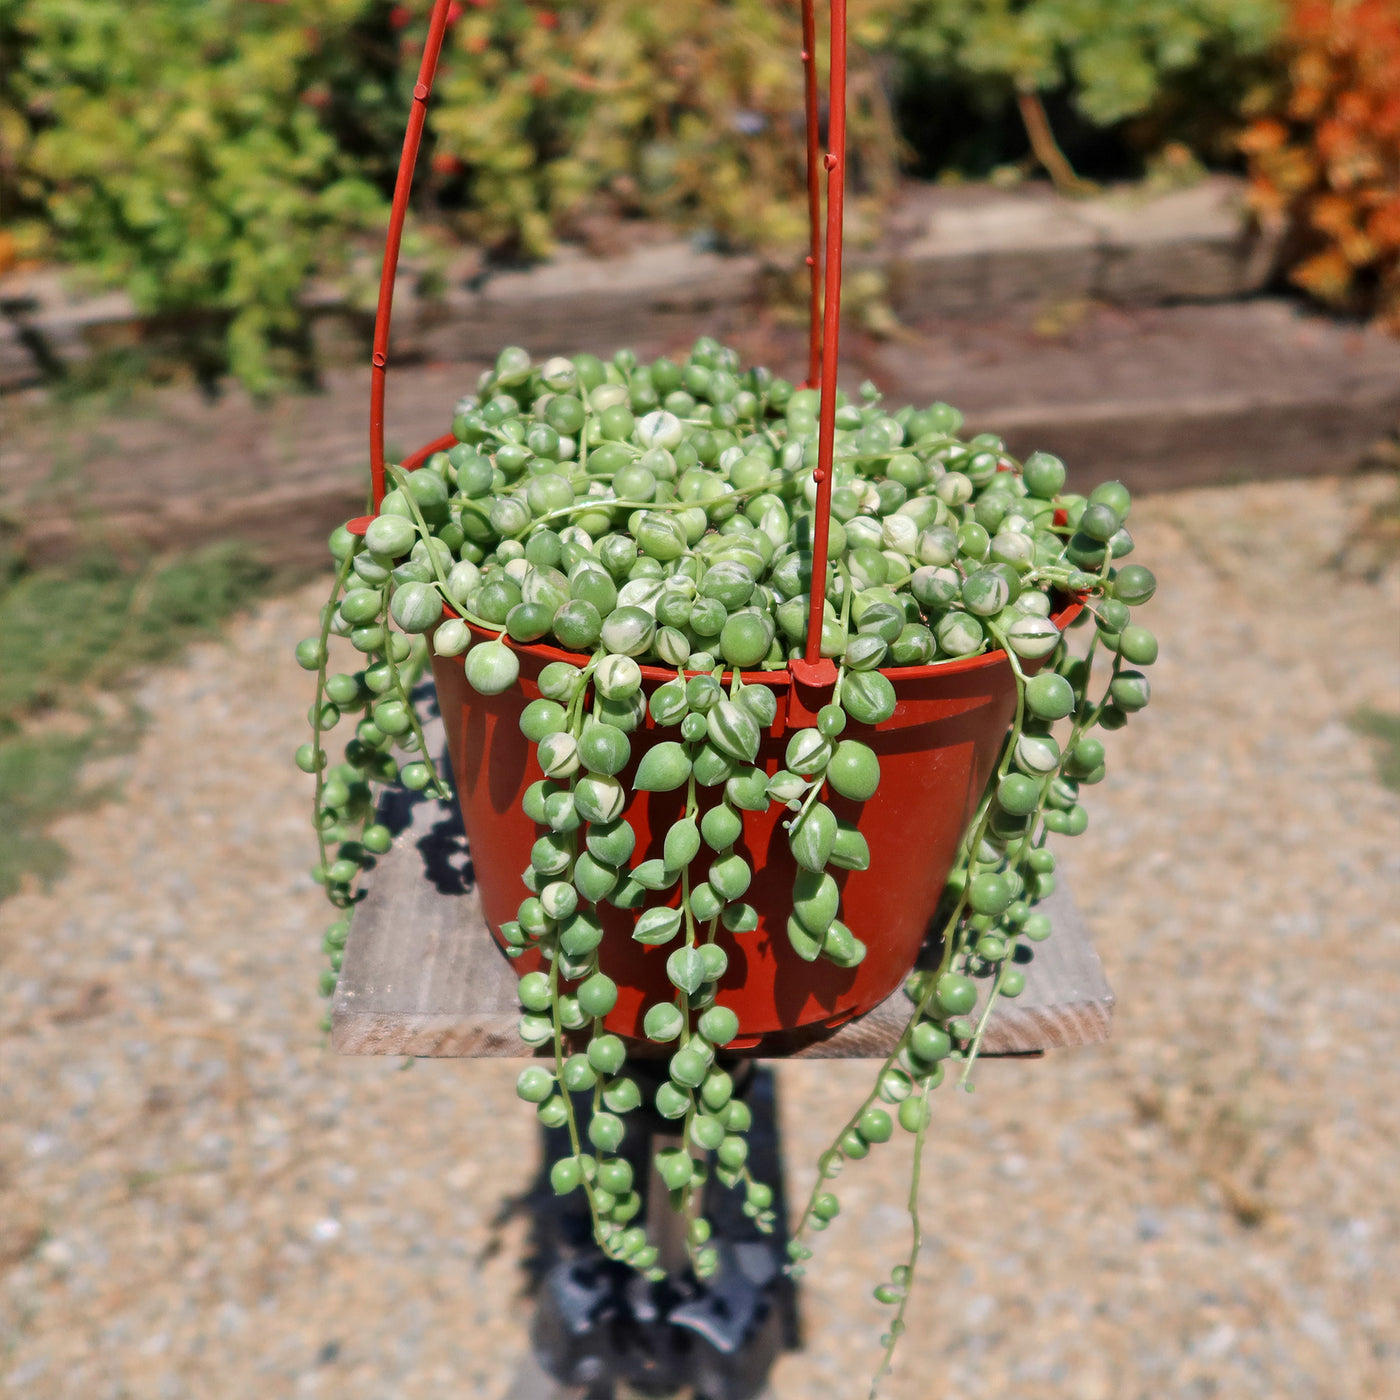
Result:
x=743 y=684
x=701 y=806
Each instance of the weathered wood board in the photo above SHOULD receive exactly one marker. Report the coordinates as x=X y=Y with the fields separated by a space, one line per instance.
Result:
x=423 y=976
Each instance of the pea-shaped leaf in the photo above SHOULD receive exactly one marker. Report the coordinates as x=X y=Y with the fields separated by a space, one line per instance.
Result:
x=807 y=752
x=787 y=788
x=628 y=894
x=558 y=755
x=865 y=652
x=682 y=844
x=559 y=680
x=535 y=1030
x=854 y=770
x=706 y=1131
x=705 y=903
x=714 y=960
x=657 y=926
x=803 y=944
x=815 y=900
x=599 y=798
x=813 y=836
x=760 y=703
x=660 y=536
x=663 y=1021
x=730 y=876
x=703 y=693
x=655 y=875
x=593 y=880
x=850 y=850
x=1032 y=637
x=580 y=933
x=674 y=1166
x=452 y=638
x=733 y=730
x=740 y=918
x=390 y=535
x=747 y=789
x=627 y=631
x=668 y=704
x=560 y=812
x=603 y=748
x=492 y=668
x=842 y=947
x=671 y=1102
x=1037 y=753
x=611 y=842
x=625 y=715
x=712 y=766
x=686 y=969
x=868 y=697
x=622 y=1095
x=721 y=827
x=959 y=634
x=663 y=768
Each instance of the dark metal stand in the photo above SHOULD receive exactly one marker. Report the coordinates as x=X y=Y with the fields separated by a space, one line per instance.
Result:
x=599 y=1323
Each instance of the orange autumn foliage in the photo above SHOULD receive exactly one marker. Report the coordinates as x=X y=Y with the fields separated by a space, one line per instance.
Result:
x=1325 y=158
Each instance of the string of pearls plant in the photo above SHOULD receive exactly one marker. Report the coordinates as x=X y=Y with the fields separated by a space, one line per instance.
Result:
x=663 y=514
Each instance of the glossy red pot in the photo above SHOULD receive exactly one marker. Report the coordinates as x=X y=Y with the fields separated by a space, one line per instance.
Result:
x=936 y=754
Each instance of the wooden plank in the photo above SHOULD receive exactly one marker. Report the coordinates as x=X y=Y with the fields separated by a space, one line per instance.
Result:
x=423 y=976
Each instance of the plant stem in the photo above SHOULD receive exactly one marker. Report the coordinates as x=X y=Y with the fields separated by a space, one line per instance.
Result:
x=318 y=747
x=599 y=503
x=916 y=1243
x=1046 y=148
x=952 y=945
x=571 y=1117
x=690 y=1197
x=440 y=788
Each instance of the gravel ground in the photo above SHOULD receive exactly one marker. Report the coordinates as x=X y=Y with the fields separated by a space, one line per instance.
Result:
x=198 y=1200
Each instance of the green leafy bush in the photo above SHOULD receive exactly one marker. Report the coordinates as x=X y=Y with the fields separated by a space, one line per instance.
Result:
x=1149 y=72
x=689 y=111
x=210 y=158
x=213 y=157
x=177 y=150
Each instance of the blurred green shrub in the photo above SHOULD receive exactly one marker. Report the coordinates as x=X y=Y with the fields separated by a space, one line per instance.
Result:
x=690 y=110
x=1130 y=77
x=180 y=150
x=1117 y=56
x=211 y=157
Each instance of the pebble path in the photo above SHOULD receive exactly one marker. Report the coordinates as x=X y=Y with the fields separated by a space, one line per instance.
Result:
x=198 y=1200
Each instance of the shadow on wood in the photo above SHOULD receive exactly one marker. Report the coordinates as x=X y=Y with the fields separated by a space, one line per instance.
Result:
x=422 y=974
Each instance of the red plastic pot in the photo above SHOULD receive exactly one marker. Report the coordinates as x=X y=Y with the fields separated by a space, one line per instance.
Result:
x=936 y=754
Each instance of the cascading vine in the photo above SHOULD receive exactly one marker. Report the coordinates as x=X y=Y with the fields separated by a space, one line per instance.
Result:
x=662 y=515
